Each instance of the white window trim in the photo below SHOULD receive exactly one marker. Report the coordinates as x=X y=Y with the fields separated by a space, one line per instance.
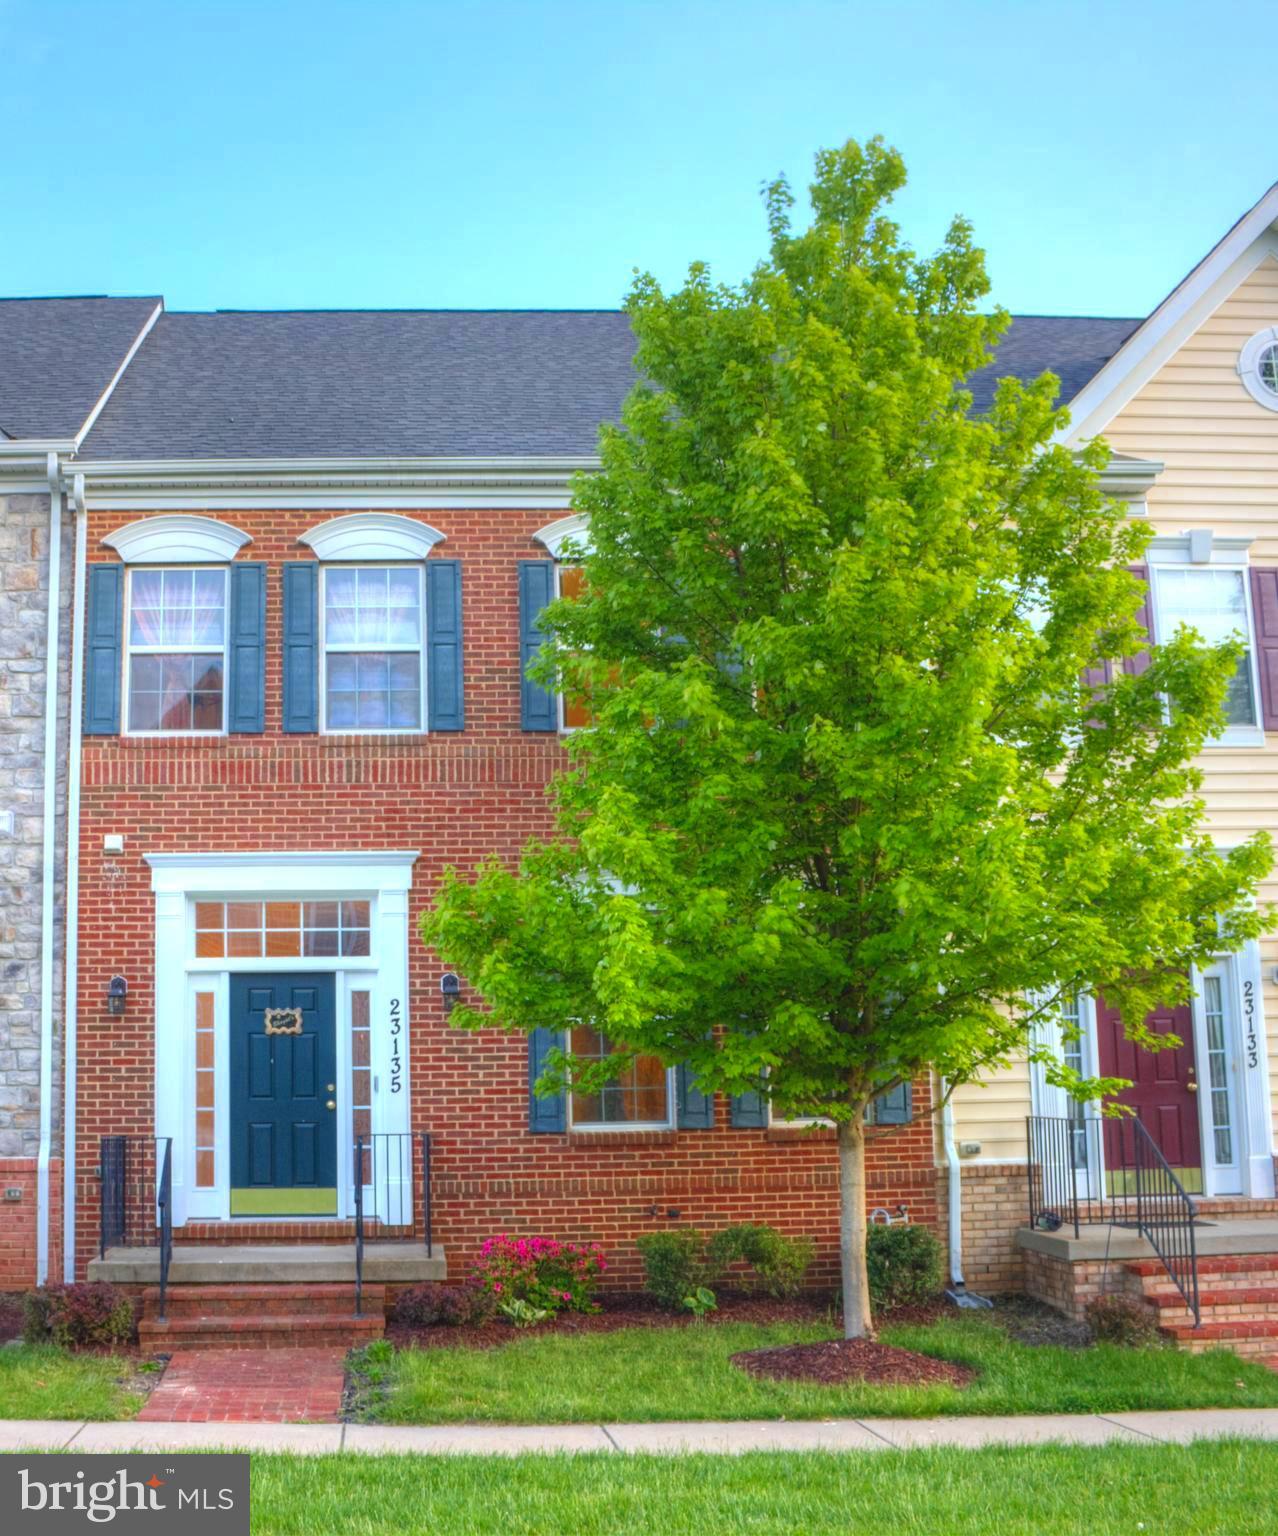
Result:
x=179 y=539
x=130 y=650
x=378 y=538
x=591 y=1126
x=563 y=531
x=1200 y=549
x=1249 y=367
x=355 y=649
x=177 y=881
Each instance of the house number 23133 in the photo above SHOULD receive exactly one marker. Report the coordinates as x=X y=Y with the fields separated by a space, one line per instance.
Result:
x=396 y=1058
x=1249 y=1024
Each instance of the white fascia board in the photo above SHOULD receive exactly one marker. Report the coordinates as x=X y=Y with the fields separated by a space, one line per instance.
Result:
x=276 y=872
x=118 y=374
x=1180 y=314
x=351 y=484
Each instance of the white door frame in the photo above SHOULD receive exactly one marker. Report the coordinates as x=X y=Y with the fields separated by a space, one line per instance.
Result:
x=177 y=880
x=1253 y=1134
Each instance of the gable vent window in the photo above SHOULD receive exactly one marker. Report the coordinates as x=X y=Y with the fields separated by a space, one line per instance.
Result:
x=1258 y=367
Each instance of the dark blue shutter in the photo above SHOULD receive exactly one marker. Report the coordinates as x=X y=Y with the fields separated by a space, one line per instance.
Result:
x=544 y=1114
x=538 y=707
x=301 y=646
x=749 y=1110
x=105 y=631
x=694 y=1109
x=246 y=710
x=444 y=698
x=895 y=1107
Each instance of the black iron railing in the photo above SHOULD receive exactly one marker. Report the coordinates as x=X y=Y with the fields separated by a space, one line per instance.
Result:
x=135 y=1198
x=388 y=1169
x=1084 y=1169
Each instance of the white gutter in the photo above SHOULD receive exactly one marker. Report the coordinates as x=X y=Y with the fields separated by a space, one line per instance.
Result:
x=955 y=1191
x=48 y=867
x=70 y=996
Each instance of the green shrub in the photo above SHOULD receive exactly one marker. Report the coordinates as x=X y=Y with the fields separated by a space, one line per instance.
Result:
x=779 y=1263
x=674 y=1265
x=1124 y=1320
x=93 y=1315
x=449 y=1306
x=678 y=1264
x=904 y=1264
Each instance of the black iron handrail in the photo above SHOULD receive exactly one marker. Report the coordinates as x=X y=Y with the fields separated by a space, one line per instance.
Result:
x=1142 y=1190
x=383 y=1164
x=135 y=1198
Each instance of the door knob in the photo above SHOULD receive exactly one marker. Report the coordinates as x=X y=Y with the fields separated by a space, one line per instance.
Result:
x=1191 y=1087
x=332 y=1104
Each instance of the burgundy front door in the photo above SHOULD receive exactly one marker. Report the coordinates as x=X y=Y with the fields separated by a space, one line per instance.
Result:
x=1164 y=1087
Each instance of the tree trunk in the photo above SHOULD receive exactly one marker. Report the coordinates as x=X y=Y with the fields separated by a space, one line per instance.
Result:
x=852 y=1246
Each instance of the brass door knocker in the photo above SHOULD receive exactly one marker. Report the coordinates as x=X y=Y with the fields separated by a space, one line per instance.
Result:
x=283 y=1021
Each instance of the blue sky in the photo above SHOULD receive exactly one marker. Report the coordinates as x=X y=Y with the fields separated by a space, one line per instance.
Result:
x=532 y=153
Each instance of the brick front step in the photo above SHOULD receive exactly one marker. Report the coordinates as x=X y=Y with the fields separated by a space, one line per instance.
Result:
x=1209 y=1264
x=233 y=1316
x=1244 y=1298
x=257 y=1301
x=312 y=1331
x=1244 y=1336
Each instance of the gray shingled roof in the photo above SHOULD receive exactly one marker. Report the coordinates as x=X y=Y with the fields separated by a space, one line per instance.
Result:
x=346 y=383
x=57 y=356
x=1074 y=347
x=376 y=383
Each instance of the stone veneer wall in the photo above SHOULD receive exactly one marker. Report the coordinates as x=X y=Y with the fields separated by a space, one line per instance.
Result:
x=24 y=579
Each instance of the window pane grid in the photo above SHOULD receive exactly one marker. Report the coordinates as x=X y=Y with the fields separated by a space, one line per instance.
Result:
x=253 y=929
x=177 y=639
x=1213 y=603
x=1218 y=1070
x=373 y=648
x=205 y=1094
x=639 y=1095
x=361 y=1065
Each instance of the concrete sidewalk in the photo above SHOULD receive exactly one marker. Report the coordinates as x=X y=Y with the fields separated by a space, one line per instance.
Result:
x=1177 y=1427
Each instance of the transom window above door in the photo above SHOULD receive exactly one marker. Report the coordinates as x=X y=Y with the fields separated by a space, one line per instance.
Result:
x=256 y=929
x=372 y=663
x=176 y=648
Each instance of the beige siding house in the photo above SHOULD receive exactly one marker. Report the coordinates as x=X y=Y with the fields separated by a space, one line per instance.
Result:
x=1189 y=405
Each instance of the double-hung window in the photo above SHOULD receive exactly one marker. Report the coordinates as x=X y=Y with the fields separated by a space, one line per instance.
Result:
x=1213 y=600
x=372 y=654
x=574 y=712
x=176 y=650
x=639 y=1098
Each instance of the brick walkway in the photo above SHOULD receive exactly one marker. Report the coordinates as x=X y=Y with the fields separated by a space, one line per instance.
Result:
x=271 y=1386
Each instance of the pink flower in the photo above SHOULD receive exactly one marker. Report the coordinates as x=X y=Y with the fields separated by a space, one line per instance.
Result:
x=497 y=1287
x=567 y=1295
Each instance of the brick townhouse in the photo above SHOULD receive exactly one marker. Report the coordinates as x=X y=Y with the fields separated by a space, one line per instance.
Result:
x=300 y=558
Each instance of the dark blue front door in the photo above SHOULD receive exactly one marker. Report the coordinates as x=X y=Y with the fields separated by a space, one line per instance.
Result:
x=283 y=1096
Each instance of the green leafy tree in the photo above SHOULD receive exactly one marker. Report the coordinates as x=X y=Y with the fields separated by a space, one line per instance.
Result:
x=848 y=811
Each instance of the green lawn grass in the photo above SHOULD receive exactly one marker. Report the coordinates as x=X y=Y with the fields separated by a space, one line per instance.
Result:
x=38 y=1381
x=685 y=1373
x=1113 y=1490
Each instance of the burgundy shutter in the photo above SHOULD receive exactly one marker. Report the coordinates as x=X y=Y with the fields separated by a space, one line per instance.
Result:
x=1135 y=665
x=1264 y=608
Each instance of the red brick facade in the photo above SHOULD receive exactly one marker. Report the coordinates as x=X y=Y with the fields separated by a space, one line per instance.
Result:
x=18 y=1222
x=455 y=798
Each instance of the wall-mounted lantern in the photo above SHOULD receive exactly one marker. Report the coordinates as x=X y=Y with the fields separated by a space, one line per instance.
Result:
x=117 y=991
x=450 y=988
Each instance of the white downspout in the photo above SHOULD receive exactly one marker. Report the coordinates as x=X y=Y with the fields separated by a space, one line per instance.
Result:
x=48 y=867
x=71 y=991
x=956 y=1192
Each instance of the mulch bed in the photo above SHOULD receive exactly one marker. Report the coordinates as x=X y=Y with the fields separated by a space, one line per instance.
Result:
x=625 y=1312
x=839 y=1361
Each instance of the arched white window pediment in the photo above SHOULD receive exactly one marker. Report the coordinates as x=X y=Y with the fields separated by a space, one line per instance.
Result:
x=372 y=536
x=177 y=539
x=566 y=530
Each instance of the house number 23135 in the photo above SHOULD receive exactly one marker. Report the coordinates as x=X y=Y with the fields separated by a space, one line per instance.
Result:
x=396 y=1059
